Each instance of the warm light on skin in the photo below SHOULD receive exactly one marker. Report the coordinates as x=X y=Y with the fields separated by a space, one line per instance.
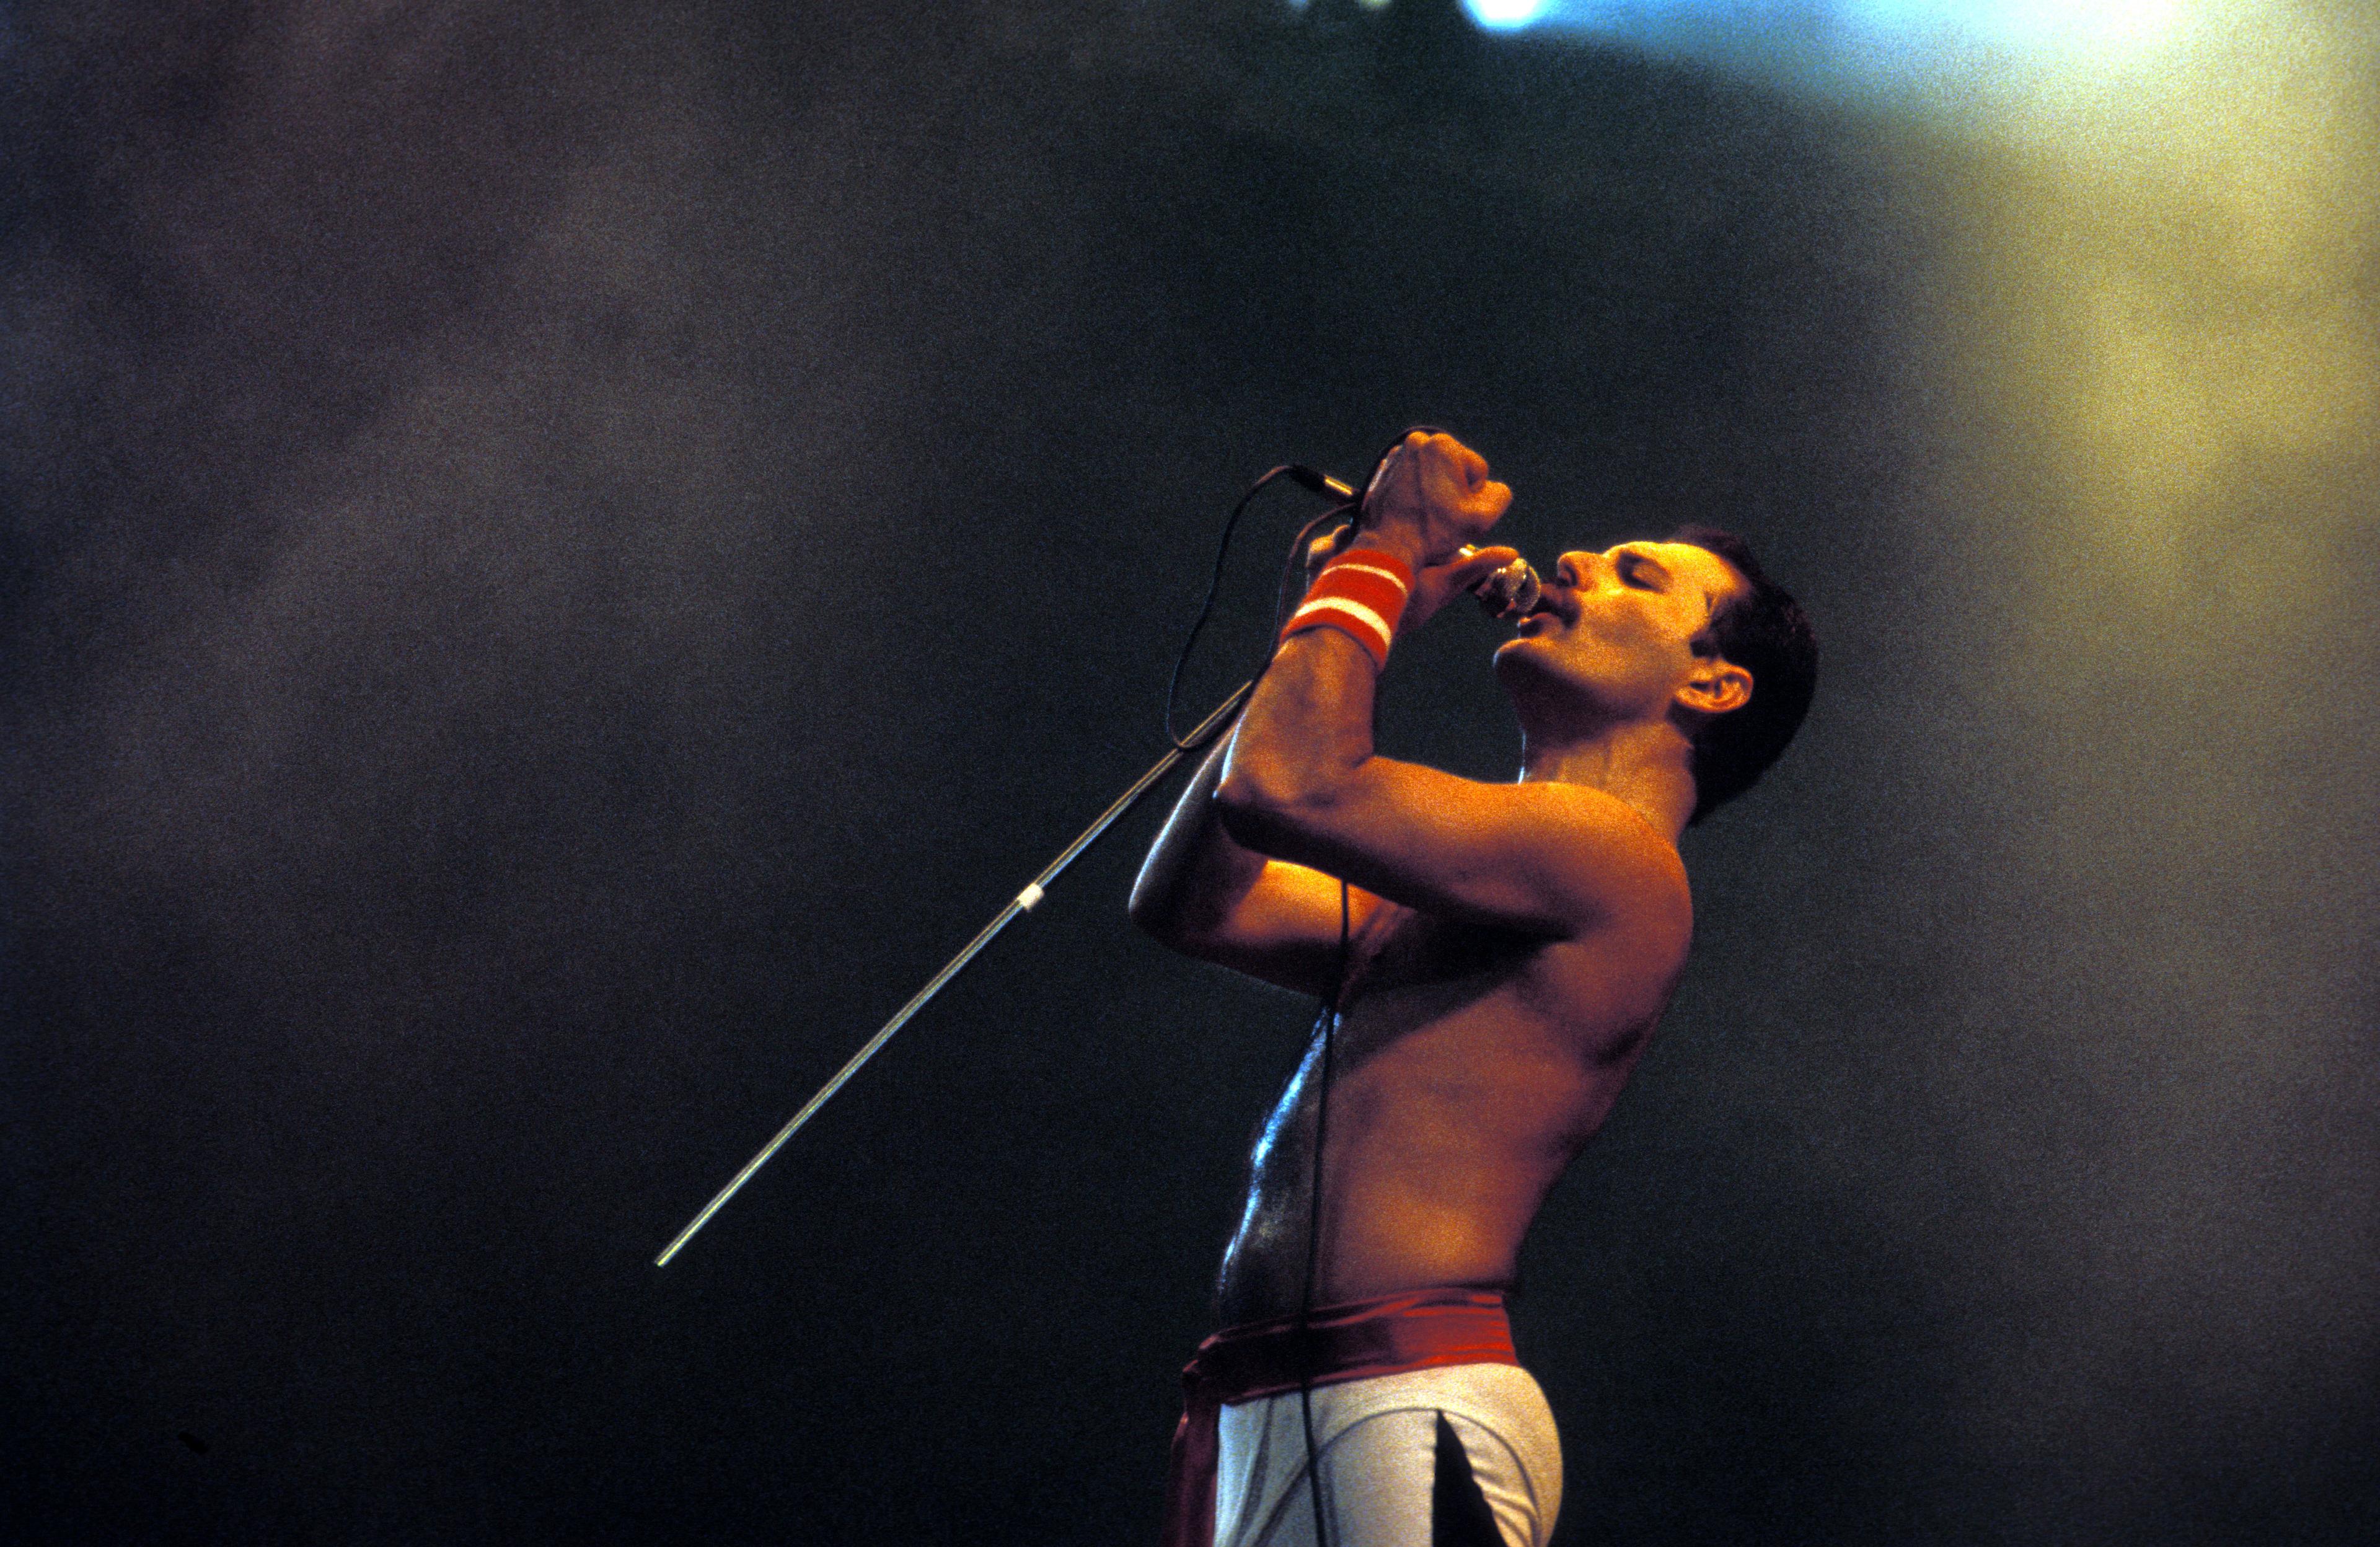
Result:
x=1617 y=630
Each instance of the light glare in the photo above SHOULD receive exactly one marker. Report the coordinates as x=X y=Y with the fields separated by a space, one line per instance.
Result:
x=1504 y=16
x=1889 y=34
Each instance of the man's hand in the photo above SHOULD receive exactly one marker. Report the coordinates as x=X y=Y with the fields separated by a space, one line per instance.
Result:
x=1434 y=586
x=1431 y=498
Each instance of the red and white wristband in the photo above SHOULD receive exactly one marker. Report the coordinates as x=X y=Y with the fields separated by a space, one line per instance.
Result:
x=1361 y=593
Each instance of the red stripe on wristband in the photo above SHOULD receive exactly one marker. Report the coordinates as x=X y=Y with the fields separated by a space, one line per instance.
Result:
x=1362 y=594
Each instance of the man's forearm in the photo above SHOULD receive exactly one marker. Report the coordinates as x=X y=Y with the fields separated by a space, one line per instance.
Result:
x=1308 y=726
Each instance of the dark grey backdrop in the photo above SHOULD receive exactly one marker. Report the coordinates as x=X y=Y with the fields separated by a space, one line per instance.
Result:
x=558 y=562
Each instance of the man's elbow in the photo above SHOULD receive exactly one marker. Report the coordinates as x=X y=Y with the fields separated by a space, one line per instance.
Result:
x=1260 y=807
x=1154 y=913
x=1167 y=902
x=1177 y=921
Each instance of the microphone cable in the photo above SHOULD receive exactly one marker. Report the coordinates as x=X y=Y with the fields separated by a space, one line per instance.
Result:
x=1321 y=483
x=1350 y=505
x=1328 y=1021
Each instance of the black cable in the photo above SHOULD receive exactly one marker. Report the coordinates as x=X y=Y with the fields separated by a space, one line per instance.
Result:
x=1307 y=477
x=1328 y=1019
x=1283 y=600
x=1328 y=1022
x=1214 y=585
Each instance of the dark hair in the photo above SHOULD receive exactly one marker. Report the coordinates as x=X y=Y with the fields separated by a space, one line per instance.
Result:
x=1764 y=631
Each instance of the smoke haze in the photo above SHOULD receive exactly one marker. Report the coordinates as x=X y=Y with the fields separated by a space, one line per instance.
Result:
x=556 y=564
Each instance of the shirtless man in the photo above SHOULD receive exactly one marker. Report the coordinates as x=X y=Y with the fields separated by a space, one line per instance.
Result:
x=1509 y=948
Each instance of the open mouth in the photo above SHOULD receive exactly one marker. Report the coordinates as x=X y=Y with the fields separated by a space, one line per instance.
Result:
x=1551 y=603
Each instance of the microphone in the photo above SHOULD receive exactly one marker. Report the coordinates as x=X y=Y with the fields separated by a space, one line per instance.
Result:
x=1321 y=483
x=1509 y=594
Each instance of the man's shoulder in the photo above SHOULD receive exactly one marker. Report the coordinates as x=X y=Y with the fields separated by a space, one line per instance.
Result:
x=1626 y=869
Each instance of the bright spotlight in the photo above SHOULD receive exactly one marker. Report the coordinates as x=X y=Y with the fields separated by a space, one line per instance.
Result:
x=1874 y=24
x=1504 y=16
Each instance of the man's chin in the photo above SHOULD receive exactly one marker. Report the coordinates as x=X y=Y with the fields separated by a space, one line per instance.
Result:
x=1522 y=669
x=1518 y=655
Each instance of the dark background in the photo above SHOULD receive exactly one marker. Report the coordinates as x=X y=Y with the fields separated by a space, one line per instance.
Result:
x=557 y=563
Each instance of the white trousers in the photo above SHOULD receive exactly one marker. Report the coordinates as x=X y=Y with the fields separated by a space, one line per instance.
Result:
x=1376 y=1444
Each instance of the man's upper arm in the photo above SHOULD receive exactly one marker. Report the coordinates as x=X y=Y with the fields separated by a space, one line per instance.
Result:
x=1546 y=858
x=1284 y=928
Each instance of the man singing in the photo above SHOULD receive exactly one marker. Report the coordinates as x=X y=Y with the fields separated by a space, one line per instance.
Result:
x=1507 y=950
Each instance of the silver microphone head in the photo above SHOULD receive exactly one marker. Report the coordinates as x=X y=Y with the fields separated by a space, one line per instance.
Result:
x=1510 y=592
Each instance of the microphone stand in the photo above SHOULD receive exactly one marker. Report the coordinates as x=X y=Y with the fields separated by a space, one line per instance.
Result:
x=1021 y=903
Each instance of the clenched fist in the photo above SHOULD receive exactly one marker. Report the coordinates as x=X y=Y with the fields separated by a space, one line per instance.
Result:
x=1431 y=498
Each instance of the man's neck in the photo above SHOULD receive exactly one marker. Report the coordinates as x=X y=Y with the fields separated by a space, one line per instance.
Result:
x=1648 y=766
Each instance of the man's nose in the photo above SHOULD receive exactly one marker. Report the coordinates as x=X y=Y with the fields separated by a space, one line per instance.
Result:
x=1473 y=466
x=1576 y=568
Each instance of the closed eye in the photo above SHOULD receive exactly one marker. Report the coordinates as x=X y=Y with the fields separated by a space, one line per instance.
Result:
x=1633 y=572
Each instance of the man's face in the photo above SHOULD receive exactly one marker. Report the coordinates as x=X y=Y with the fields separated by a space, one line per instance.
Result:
x=1614 y=634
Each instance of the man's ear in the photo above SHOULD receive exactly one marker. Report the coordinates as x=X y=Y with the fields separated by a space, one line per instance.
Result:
x=1717 y=686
